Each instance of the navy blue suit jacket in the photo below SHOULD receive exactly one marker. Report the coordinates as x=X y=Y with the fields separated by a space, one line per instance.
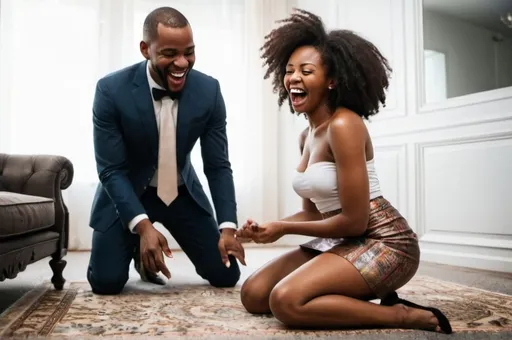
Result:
x=126 y=145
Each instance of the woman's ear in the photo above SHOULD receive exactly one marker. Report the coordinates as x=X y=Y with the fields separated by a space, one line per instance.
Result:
x=331 y=85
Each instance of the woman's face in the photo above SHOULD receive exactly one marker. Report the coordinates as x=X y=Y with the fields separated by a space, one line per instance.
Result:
x=306 y=79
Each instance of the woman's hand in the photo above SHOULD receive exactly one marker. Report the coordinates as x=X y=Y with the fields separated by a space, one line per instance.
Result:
x=265 y=233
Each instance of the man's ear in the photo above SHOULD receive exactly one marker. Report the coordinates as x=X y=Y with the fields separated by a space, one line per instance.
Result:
x=144 y=49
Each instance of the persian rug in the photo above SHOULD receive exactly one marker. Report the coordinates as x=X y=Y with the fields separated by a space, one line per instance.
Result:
x=203 y=311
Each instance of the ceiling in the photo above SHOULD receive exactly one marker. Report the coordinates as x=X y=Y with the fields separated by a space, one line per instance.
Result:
x=484 y=13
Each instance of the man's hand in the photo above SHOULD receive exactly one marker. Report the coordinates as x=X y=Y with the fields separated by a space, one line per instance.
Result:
x=152 y=244
x=265 y=233
x=229 y=245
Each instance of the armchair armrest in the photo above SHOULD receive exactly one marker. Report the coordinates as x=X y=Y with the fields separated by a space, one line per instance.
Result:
x=40 y=175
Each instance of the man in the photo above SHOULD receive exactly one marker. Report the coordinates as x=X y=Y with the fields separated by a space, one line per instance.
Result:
x=147 y=118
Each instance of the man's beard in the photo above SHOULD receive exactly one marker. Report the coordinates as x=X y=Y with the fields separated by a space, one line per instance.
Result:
x=162 y=77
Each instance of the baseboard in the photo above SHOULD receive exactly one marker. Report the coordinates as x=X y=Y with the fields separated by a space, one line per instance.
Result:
x=498 y=263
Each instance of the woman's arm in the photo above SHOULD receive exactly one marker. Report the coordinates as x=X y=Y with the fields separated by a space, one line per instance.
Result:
x=347 y=139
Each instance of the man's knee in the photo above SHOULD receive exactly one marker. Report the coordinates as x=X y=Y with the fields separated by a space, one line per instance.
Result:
x=107 y=283
x=226 y=281
x=225 y=277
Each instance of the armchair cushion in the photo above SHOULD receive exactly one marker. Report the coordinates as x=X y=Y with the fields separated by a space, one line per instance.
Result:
x=21 y=214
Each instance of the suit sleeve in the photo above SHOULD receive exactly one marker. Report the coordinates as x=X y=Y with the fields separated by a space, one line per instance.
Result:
x=217 y=167
x=110 y=154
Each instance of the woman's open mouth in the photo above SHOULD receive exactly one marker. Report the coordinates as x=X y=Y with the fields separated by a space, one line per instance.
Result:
x=298 y=97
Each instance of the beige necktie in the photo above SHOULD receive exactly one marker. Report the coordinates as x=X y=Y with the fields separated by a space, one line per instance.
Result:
x=167 y=169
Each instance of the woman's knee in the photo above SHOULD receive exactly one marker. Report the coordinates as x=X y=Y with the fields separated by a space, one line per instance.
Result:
x=285 y=305
x=254 y=295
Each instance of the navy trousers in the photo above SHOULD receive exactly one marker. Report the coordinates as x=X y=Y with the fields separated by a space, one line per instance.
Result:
x=194 y=229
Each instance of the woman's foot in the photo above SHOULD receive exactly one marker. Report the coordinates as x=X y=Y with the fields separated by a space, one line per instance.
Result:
x=414 y=318
x=414 y=313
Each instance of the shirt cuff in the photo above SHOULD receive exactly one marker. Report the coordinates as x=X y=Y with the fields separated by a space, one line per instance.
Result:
x=231 y=225
x=134 y=221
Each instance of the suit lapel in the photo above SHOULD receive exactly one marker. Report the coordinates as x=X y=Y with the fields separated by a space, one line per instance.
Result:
x=144 y=104
x=184 y=113
x=187 y=110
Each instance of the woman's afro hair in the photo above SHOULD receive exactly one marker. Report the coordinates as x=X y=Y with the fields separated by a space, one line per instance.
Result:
x=360 y=72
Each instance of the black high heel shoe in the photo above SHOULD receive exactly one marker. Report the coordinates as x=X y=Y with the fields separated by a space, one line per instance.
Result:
x=393 y=299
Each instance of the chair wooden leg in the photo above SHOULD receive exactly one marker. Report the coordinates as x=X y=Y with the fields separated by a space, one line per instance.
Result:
x=58 y=266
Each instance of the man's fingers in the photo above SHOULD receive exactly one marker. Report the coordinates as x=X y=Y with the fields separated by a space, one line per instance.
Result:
x=239 y=255
x=241 y=250
x=224 y=255
x=241 y=235
x=245 y=233
x=238 y=251
x=164 y=246
x=160 y=264
x=145 y=261
x=163 y=268
x=151 y=263
x=165 y=271
x=244 y=239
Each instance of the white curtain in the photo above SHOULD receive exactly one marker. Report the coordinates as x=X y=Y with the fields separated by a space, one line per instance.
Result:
x=52 y=52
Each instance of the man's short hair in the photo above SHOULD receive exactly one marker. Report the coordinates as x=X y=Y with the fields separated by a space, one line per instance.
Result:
x=167 y=16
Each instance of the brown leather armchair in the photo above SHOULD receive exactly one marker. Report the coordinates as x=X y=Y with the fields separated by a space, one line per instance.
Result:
x=34 y=220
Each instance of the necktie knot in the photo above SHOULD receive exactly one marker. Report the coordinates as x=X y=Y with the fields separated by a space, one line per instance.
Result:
x=158 y=94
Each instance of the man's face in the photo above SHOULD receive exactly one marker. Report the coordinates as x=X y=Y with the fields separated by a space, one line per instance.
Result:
x=172 y=56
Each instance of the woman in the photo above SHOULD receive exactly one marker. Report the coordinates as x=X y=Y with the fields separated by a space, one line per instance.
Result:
x=364 y=249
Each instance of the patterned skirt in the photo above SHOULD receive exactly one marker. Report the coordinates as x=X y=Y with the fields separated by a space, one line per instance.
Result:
x=387 y=255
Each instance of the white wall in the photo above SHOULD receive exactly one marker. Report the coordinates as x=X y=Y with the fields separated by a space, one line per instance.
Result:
x=447 y=165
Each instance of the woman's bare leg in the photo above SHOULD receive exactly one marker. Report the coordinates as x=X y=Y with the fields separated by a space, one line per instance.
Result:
x=256 y=289
x=327 y=292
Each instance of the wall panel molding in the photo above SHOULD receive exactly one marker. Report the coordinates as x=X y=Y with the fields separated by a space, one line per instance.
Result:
x=394 y=187
x=421 y=163
x=467 y=226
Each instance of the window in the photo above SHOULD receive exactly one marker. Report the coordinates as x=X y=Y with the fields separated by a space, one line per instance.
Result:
x=49 y=65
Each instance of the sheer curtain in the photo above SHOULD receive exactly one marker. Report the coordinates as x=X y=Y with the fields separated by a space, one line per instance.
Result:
x=48 y=66
x=52 y=52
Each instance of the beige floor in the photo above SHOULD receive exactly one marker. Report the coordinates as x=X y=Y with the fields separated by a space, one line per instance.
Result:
x=183 y=271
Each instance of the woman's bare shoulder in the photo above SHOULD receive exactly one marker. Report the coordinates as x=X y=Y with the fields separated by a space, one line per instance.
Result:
x=347 y=123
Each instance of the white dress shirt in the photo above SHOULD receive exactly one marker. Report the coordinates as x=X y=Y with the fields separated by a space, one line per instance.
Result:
x=157 y=105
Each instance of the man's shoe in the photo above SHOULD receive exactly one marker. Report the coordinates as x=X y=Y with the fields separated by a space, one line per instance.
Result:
x=145 y=275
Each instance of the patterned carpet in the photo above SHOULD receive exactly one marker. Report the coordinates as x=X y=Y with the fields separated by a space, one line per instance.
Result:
x=206 y=311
